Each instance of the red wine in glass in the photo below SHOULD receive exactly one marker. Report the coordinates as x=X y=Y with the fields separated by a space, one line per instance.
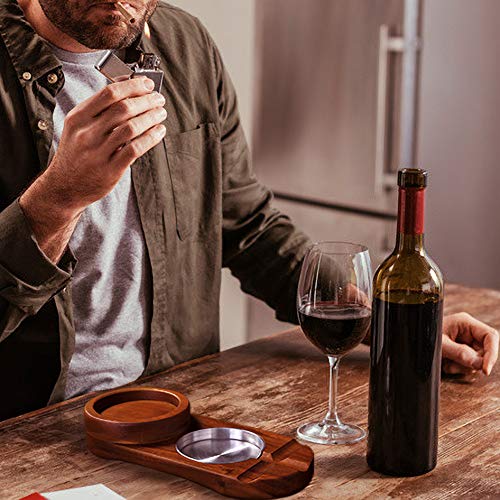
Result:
x=335 y=329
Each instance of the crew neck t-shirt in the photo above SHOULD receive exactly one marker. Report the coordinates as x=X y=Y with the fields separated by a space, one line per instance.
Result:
x=111 y=285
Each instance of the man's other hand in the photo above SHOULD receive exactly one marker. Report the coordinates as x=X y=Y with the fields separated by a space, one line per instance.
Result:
x=468 y=345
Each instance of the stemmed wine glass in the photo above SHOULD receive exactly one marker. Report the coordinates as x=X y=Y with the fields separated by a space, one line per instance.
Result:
x=334 y=308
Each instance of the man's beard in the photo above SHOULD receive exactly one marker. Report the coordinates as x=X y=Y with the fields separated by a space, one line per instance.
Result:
x=77 y=19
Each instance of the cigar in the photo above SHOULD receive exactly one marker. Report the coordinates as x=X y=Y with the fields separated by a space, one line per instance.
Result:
x=126 y=14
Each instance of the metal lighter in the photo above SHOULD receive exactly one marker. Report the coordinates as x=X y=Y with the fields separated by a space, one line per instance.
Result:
x=115 y=70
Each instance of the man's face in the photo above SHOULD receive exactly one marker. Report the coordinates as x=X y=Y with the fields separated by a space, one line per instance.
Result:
x=98 y=24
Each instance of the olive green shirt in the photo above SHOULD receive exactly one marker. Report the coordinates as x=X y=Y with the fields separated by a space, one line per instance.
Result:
x=200 y=205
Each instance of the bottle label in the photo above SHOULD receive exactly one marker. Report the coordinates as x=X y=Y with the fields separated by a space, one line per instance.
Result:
x=411 y=211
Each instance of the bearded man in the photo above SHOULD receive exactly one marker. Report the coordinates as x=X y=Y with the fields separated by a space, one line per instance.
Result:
x=115 y=221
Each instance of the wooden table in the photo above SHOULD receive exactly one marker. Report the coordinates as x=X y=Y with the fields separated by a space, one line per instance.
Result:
x=276 y=383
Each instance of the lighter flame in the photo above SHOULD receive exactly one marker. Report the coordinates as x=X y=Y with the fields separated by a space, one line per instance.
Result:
x=147 y=32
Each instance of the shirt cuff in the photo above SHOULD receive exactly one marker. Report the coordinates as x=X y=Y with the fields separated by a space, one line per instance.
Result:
x=22 y=260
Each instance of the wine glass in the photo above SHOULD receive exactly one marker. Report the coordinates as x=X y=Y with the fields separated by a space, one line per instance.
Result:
x=334 y=308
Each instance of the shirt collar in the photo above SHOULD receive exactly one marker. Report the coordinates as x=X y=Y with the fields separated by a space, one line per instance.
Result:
x=28 y=51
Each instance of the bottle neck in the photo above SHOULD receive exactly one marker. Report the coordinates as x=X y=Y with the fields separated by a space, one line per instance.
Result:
x=410 y=236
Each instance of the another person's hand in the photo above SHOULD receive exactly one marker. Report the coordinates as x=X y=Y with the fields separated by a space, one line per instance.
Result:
x=468 y=345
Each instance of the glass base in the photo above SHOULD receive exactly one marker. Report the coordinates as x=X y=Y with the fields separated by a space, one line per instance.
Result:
x=323 y=433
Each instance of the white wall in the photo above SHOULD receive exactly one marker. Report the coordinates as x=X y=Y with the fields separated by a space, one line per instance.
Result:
x=231 y=24
x=460 y=137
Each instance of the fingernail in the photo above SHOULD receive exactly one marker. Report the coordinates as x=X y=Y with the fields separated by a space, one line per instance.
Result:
x=477 y=363
x=159 y=98
x=161 y=130
x=149 y=84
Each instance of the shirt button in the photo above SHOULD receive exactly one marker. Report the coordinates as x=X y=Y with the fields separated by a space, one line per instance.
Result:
x=43 y=125
x=27 y=76
x=52 y=78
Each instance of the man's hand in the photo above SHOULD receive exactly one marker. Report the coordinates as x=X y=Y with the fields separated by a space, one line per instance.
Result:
x=101 y=138
x=468 y=345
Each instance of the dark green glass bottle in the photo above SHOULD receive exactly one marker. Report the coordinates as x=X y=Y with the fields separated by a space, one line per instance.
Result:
x=405 y=364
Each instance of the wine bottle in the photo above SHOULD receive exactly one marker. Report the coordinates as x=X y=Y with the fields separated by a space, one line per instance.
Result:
x=405 y=353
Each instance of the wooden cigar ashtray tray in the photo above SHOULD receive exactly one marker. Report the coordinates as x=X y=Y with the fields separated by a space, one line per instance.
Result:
x=154 y=427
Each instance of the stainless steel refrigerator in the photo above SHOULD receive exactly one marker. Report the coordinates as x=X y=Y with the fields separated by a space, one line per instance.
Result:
x=335 y=117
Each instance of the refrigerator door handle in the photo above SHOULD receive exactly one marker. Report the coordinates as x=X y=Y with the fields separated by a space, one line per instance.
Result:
x=387 y=44
x=409 y=45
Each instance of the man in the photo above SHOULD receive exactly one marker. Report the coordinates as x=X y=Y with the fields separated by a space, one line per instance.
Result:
x=114 y=222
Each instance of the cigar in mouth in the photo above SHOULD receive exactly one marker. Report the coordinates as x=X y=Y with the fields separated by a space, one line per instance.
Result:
x=126 y=14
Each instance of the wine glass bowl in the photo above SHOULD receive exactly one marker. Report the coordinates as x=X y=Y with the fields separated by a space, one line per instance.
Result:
x=334 y=310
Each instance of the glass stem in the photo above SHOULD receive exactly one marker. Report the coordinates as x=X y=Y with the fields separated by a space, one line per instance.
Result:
x=332 y=417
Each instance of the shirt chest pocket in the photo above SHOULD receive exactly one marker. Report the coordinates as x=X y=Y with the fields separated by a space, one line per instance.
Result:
x=194 y=163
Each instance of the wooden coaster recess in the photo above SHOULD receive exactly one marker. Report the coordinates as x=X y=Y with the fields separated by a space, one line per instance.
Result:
x=137 y=415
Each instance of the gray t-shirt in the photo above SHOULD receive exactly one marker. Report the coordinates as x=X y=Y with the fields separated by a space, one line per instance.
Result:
x=111 y=282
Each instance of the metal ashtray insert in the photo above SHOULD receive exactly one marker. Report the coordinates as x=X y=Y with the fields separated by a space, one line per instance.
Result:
x=220 y=445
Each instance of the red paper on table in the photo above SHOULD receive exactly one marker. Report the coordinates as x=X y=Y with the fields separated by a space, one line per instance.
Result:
x=33 y=496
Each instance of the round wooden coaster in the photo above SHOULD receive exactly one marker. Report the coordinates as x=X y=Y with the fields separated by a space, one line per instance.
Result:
x=137 y=415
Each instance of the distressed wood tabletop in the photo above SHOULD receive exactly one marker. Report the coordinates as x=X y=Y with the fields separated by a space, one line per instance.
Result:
x=276 y=384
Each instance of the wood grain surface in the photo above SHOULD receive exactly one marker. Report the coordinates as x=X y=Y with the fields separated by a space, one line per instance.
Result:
x=275 y=384
x=285 y=466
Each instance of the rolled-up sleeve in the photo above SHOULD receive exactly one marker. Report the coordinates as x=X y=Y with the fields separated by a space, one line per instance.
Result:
x=28 y=279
